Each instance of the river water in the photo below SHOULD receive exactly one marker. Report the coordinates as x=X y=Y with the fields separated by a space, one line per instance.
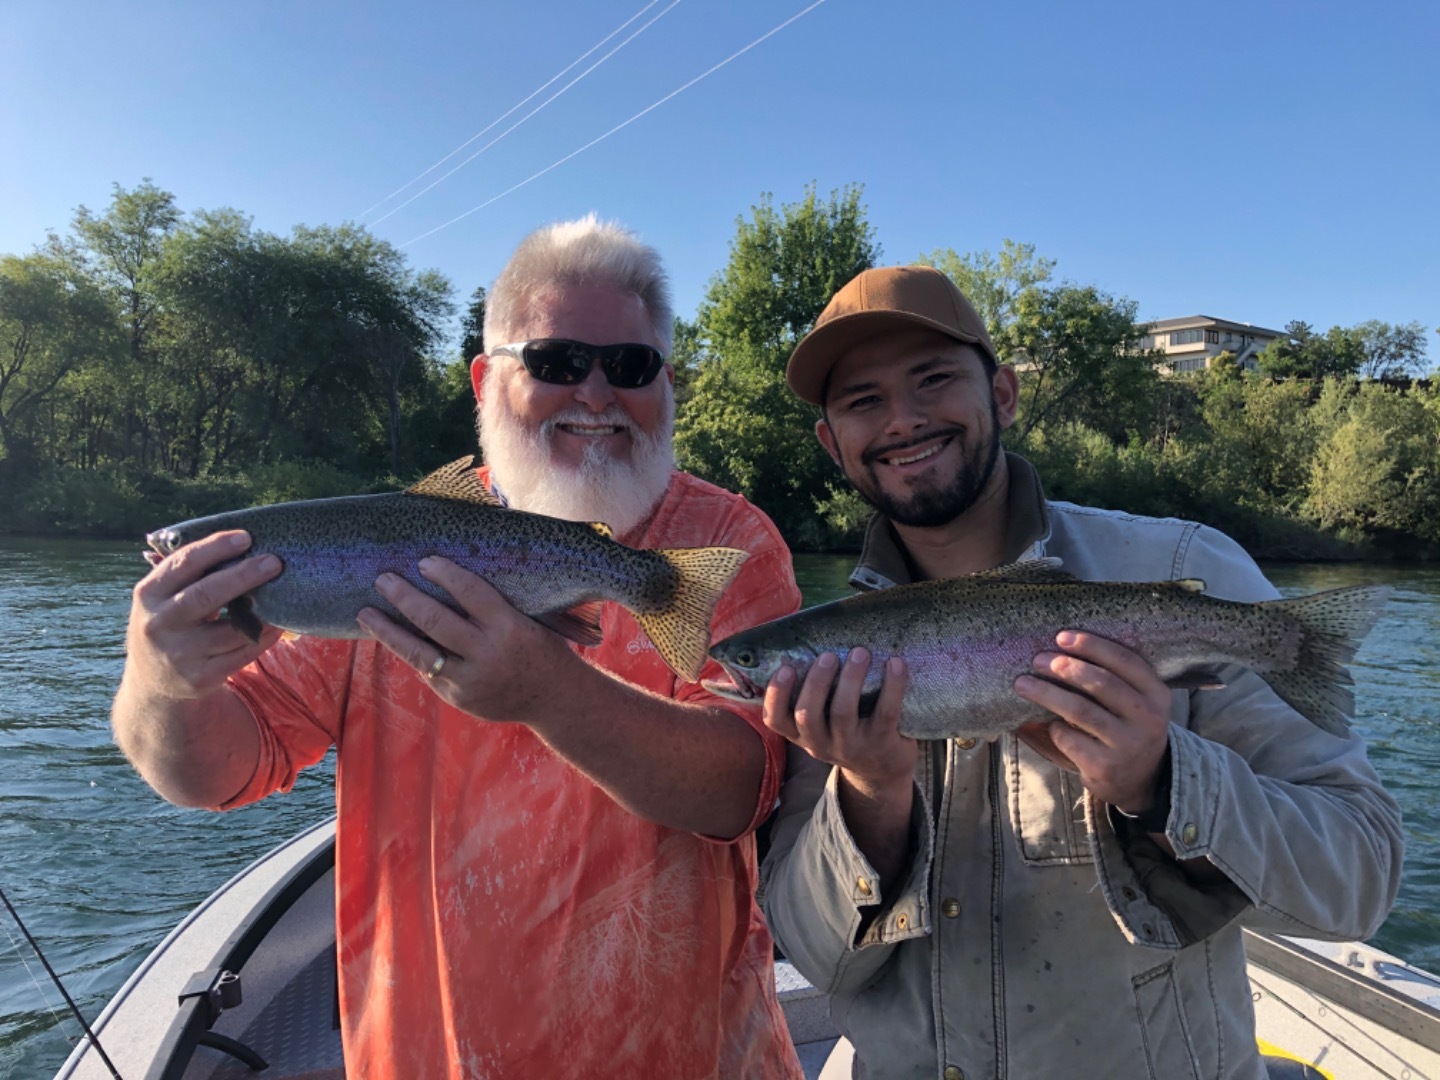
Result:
x=100 y=868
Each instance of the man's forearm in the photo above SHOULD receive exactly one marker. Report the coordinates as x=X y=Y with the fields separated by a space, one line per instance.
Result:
x=194 y=752
x=879 y=822
x=688 y=767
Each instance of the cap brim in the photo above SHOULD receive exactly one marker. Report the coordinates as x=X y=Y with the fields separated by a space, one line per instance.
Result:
x=808 y=371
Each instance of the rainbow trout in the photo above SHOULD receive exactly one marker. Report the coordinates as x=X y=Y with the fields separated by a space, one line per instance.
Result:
x=557 y=572
x=965 y=640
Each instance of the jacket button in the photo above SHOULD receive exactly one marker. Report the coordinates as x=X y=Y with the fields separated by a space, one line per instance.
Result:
x=965 y=744
x=1189 y=833
x=952 y=1073
x=863 y=886
x=951 y=908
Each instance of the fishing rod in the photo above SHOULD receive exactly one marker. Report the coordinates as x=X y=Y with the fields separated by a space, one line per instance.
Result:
x=95 y=1042
x=1406 y=1069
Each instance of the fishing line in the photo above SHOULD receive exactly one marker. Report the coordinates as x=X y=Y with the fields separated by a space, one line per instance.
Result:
x=1406 y=1066
x=617 y=127
x=75 y=1009
x=518 y=104
x=39 y=989
x=532 y=112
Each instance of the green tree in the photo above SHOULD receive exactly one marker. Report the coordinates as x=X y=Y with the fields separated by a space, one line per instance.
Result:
x=52 y=323
x=993 y=283
x=120 y=250
x=472 y=327
x=740 y=426
x=1302 y=353
x=1391 y=352
x=1078 y=353
x=1378 y=467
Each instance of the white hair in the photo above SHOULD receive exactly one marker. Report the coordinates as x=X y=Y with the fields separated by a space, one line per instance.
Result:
x=622 y=494
x=582 y=252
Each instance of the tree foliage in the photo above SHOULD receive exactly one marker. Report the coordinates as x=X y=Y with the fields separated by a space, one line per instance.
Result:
x=739 y=425
x=198 y=346
x=1078 y=353
x=994 y=283
x=157 y=364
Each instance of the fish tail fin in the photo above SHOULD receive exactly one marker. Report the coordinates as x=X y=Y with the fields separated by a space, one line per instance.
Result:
x=681 y=630
x=1332 y=624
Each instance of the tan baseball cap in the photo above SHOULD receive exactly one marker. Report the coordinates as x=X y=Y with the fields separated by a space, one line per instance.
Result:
x=885 y=298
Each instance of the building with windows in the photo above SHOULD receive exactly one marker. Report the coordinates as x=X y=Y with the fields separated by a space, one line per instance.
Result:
x=1192 y=343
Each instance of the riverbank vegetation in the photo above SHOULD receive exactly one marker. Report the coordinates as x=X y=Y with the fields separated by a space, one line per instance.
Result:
x=156 y=365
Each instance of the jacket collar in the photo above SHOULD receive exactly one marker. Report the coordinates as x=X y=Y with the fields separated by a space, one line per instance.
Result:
x=885 y=562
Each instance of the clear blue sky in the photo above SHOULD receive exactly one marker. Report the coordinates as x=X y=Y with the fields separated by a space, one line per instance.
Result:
x=1260 y=161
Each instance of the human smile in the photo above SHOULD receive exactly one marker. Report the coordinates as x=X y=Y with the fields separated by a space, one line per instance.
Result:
x=914 y=453
x=898 y=459
x=591 y=431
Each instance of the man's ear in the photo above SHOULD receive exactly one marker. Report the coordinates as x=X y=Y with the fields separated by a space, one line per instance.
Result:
x=827 y=439
x=670 y=373
x=477 y=374
x=1006 y=388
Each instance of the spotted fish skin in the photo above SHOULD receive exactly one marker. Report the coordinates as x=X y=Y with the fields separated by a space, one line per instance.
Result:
x=965 y=641
x=332 y=551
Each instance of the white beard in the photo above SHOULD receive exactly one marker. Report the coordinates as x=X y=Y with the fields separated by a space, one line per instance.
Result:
x=622 y=494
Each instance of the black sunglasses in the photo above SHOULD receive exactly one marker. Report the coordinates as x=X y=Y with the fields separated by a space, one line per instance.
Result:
x=566 y=363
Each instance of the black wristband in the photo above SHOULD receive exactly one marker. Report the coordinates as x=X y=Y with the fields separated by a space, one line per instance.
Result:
x=1157 y=817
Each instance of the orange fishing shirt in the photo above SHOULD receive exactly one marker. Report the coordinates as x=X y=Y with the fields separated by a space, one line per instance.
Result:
x=498 y=914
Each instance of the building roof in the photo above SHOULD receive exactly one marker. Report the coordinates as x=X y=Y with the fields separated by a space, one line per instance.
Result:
x=1189 y=321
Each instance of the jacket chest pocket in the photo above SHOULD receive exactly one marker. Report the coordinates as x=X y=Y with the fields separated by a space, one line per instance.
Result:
x=1047 y=808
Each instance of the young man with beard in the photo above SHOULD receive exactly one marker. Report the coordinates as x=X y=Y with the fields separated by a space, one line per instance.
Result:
x=544 y=861
x=1068 y=902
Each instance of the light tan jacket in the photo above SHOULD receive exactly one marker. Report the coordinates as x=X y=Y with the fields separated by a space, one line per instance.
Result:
x=1030 y=939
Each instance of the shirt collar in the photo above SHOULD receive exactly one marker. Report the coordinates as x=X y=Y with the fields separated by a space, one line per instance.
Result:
x=885 y=562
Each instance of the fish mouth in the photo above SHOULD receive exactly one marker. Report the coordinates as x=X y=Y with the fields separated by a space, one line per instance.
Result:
x=165 y=541
x=738 y=689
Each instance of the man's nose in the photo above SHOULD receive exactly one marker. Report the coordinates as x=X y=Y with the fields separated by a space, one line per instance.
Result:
x=594 y=391
x=905 y=415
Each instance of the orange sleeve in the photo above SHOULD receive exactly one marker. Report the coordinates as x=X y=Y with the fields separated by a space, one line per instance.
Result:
x=764 y=589
x=296 y=692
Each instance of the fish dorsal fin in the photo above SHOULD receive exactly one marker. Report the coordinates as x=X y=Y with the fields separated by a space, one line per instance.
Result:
x=1045 y=571
x=1189 y=584
x=603 y=529
x=458 y=481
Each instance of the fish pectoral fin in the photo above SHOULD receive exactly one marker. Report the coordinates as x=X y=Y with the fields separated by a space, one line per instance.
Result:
x=1044 y=571
x=581 y=623
x=458 y=481
x=241 y=613
x=1197 y=679
x=868 y=700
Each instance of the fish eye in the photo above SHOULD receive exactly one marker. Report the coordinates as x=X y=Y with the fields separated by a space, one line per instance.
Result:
x=745 y=658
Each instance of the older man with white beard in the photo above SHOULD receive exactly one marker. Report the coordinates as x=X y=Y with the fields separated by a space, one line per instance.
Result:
x=544 y=856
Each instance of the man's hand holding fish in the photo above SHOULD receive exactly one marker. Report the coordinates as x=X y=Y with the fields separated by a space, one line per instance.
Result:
x=1112 y=714
x=875 y=763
